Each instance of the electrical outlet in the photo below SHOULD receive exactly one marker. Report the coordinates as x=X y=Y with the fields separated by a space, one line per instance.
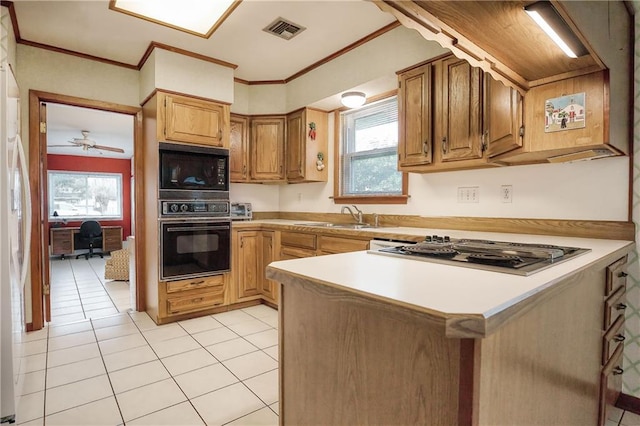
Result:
x=506 y=193
x=468 y=194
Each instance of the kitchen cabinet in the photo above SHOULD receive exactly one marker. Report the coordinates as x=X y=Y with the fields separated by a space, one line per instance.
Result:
x=178 y=298
x=612 y=337
x=414 y=117
x=268 y=288
x=307 y=137
x=193 y=120
x=449 y=115
x=267 y=145
x=296 y=245
x=591 y=138
x=239 y=148
x=253 y=250
x=329 y=244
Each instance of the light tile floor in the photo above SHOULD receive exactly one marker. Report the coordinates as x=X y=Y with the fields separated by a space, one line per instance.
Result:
x=214 y=370
x=80 y=291
x=619 y=417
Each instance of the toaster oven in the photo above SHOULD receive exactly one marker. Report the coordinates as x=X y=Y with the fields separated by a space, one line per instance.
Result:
x=241 y=211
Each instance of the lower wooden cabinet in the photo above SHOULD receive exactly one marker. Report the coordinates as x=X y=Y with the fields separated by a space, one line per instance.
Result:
x=252 y=251
x=191 y=296
x=612 y=337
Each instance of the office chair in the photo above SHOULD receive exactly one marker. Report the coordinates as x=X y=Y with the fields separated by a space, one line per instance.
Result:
x=90 y=233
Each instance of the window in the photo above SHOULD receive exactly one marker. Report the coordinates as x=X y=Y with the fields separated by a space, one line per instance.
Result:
x=80 y=195
x=369 y=155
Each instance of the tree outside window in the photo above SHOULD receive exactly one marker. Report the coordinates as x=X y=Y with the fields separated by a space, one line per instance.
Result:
x=79 y=195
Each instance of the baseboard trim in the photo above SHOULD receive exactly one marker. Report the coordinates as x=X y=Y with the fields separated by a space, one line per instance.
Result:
x=628 y=403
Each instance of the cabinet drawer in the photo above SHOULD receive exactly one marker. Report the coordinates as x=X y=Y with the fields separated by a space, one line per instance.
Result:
x=287 y=253
x=610 y=384
x=614 y=305
x=616 y=276
x=298 y=239
x=194 y=302
x=341 y=245
x=213 y=284
x=613 y=338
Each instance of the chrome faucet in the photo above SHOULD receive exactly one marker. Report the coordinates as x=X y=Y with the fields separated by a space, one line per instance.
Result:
x=356 y=216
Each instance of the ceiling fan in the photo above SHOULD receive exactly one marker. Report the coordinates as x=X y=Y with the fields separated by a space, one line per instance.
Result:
x=85 y=143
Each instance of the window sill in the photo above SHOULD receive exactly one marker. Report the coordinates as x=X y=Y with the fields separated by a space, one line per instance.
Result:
x=372 y=199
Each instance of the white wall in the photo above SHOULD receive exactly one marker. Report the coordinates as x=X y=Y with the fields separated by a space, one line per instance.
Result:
x=8 y=39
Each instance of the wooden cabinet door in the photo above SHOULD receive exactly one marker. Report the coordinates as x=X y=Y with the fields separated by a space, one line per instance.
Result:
x=414 y=117
x=267 y=149
x=296 y=127
x=268 y=288
x=502 y=117
x=194 y=120
x=248 y=274
x=461 y=111
x=239 y=148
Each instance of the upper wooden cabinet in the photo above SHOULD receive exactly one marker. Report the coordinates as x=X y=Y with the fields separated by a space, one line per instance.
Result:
x=414 y=117
x=239 y=149
x=191 y=120
x=266 y=153
x=441 y=117
x=459 y=114
x=545 y=141
x=307 y=137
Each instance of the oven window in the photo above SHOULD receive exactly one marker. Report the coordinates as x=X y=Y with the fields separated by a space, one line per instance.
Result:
x=193 y=249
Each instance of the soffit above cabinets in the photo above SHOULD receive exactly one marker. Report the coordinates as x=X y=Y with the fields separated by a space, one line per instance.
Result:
x=497 y=36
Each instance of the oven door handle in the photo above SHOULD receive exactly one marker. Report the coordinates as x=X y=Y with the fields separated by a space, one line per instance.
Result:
x=197 y=228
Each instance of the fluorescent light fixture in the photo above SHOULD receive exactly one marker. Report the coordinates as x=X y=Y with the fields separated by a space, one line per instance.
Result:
x=353 y=99
x=198 y=17
x=547 y=18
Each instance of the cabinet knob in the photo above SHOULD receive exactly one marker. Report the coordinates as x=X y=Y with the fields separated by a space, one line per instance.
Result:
x=623 y=274
x=197 y=282
x=621 y=307
x=198 y=300
x=618 y=370
x=244 y=170
x=444 y=145
x=619 y=338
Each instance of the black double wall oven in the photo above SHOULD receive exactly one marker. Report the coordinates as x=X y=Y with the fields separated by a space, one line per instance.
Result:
x=194 y=212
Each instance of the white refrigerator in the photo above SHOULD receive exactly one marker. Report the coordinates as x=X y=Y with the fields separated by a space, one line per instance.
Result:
x=15 y=239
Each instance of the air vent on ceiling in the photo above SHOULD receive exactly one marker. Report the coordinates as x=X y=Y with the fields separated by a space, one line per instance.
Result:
x=284 y=29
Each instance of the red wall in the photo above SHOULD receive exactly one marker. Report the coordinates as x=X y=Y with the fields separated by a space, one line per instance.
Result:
x=74 y=163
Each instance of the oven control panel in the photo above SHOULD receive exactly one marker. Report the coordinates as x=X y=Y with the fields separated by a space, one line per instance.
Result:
x=209 y=208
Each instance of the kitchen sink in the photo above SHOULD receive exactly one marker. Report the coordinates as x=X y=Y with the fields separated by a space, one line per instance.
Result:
x=336 y=225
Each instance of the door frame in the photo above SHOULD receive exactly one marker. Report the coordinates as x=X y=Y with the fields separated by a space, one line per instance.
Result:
x=39 y=218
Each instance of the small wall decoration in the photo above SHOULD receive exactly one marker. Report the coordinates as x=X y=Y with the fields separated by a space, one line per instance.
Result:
x=319 y=163
x=312 y=131
x=565 y=113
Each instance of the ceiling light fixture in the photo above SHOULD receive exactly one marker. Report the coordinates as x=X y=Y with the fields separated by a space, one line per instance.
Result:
x=547 y=17
x=198 y=17
x=353 y=99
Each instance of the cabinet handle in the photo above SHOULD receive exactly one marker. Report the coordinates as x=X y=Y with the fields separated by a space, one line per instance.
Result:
x=618 y=370
x=621 y=307
x=425 y=147
x=623 y=275
x=197 y=282
x=244 y=170
x=220 y=134
x=199 y=299
x=619 y=338
x=444 y=145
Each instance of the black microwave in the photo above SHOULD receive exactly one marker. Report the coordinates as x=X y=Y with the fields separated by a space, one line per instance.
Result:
x=193 y=172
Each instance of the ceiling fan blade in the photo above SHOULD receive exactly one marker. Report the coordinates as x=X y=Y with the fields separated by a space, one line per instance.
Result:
x=108 y=148
x=64 y=146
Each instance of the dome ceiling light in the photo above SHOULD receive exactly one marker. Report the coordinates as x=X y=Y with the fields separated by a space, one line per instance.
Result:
x=353 y=99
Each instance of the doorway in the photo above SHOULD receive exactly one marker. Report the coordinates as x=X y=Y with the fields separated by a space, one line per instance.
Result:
x=59 y=213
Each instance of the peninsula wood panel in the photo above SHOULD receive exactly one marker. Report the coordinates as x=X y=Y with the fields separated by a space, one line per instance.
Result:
x=354 y=375
x=546 y=358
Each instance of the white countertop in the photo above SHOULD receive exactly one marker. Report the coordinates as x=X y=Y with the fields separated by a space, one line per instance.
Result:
x=443 y=290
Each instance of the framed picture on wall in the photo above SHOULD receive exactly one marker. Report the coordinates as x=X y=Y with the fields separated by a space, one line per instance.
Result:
x=566 y=112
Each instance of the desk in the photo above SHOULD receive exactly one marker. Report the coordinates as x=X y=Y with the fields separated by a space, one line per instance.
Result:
x=63 y=241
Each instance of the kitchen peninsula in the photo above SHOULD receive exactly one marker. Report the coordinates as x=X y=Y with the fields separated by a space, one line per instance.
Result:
x=370 y=339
